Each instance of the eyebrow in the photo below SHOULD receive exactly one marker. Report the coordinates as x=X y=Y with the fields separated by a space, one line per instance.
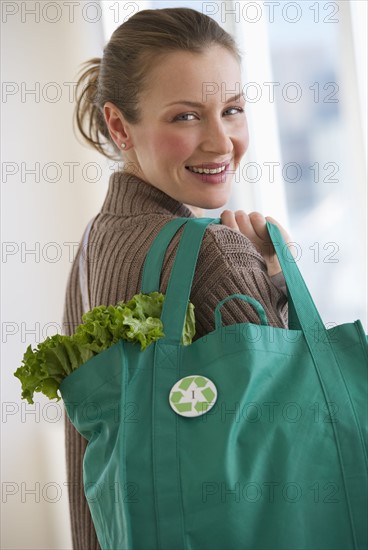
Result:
x=196 y=104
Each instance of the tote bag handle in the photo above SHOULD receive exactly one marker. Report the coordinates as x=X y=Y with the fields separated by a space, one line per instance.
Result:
x=303 y=314
x=155 y=256
x=181 y=277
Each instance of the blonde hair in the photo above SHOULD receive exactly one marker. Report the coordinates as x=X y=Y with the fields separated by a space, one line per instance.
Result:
x=123 y=72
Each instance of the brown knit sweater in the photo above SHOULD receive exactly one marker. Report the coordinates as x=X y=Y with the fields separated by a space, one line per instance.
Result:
x=132 y=215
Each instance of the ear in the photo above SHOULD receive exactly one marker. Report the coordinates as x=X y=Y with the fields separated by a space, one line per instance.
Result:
x=116 y=123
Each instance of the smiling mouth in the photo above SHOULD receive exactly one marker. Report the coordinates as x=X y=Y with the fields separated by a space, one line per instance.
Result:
x=206 y=170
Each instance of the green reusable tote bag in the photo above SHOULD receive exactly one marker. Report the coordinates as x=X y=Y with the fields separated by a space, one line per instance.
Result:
x=251 y=438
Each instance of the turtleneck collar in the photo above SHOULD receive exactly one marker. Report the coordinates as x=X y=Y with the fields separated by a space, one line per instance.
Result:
x=128 y=195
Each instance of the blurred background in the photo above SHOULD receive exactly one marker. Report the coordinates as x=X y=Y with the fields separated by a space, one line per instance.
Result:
x=305 y=81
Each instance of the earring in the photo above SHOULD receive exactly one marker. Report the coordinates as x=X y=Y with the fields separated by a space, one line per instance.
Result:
x=123 y=145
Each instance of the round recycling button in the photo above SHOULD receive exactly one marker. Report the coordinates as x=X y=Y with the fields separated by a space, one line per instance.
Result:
x=193 y=395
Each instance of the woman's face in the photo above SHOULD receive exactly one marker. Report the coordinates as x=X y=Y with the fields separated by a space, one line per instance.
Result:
x=174 y=135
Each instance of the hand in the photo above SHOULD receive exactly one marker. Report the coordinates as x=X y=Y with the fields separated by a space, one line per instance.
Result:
x=254 y=227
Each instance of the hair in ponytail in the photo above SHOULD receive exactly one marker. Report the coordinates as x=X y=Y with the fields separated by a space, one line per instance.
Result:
x=134 y=49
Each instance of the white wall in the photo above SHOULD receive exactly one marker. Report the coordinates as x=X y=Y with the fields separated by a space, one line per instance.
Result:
x=39 y=217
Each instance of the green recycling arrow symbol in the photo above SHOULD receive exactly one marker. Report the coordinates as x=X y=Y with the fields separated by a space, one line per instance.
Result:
x=199 y=406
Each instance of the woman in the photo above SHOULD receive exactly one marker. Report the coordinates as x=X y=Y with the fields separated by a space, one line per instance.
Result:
x=161 y=99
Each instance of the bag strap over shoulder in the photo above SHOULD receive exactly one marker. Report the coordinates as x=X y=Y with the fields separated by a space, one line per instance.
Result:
x=301 y=305
x=181 y=277
x=155 y=257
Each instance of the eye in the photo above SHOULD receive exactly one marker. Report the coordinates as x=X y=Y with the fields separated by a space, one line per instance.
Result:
x=179 y=117
x=237 y=109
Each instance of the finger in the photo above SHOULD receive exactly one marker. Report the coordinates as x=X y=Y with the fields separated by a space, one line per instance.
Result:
x=285 y=235
x=228 y=218
x=283 y=231
x=246 y=227
x=259 y=225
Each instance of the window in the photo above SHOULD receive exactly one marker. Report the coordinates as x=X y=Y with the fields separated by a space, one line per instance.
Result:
x=321 y=137
x=306 y=161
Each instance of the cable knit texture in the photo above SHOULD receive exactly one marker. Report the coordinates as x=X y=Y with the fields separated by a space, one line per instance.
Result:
x=131 y=216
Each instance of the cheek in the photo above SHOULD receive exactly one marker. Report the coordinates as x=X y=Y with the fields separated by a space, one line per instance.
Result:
x=242 y=139
x=174 y=146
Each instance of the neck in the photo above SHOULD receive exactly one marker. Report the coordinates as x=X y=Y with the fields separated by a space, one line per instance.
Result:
x=197 y=211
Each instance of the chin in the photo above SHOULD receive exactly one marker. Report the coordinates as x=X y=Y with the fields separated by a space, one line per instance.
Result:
x=208 y=203
x=213 y=205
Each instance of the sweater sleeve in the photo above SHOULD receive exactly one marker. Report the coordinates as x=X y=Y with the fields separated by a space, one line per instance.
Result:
x=228 y=263
x=279 y=281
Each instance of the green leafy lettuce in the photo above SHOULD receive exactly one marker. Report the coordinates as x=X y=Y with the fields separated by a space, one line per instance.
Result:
x=137 y=321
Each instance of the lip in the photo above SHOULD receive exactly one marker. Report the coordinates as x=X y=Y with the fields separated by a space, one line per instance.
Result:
x=210 y=165
x=211 y=179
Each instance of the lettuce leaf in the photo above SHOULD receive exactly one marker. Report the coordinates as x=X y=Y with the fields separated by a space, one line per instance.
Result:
x=137 y=321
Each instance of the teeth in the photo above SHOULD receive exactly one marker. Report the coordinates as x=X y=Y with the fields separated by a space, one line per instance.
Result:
x=206 y=170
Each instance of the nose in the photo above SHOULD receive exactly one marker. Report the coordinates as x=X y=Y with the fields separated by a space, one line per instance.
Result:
x=216 y=138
